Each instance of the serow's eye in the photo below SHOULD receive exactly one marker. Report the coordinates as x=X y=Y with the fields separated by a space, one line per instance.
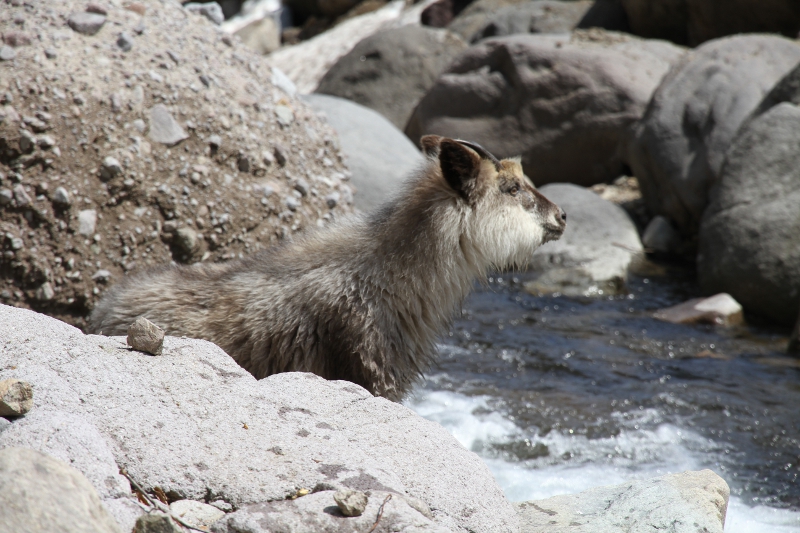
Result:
x=513 y=190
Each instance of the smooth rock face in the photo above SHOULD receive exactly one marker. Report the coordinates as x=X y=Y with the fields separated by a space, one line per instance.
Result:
x=379 y=156
x=316 y=513
x=16 y=397
x=680 y=144
x=689 y=502
x=547 y=98
x=694 y=22
x=719 y=309
x=535 y=16
x=392 y=70
x=749 y=241
x=198 y=426
x=145 y=336
x=164 y=128
x=593 y=255
x=73 y=439
x=40 y=493
x=262 y=35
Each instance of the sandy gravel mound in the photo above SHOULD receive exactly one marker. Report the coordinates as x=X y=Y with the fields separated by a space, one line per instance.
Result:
x=137 y=133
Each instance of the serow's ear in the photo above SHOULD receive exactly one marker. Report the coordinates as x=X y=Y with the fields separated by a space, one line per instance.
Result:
x=460 y=165
x=430 y=145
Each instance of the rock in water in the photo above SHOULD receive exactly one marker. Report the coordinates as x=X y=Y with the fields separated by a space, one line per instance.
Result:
x=595 y=252
x=16 y=397
x=40 y=493
x=719 y=309
x=351 y=502
x=749 y=241
x=689 y=502
x=145 y=336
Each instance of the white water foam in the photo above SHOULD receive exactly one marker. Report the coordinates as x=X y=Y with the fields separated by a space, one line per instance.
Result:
x=575 y=463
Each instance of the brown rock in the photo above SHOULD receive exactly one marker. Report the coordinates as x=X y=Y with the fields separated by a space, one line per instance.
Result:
x=145 y=336
x=718 y=309
x=16 y=397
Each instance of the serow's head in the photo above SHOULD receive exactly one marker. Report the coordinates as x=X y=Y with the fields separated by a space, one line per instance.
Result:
x=507 y=218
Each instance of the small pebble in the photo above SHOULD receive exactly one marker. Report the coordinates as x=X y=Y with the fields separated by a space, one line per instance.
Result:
x=61 y=197
x=125 y=42
x=351 y=502
x=94 y=7
x=86 y=23
x=215 y=141
x=16 y=397
x=145 y=336
x=50 y=53
x=7 y=53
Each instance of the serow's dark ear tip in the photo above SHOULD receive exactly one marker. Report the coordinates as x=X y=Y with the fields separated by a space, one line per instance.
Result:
x=460 y=165
x=430 y=144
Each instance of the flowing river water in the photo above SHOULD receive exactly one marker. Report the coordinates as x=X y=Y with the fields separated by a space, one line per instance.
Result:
x=559 y=395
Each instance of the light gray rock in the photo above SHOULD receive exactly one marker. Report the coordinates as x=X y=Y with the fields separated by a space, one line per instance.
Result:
x=211 y=10
x=680 y=143
x=27 y=142
x=86 y=23
x=110 y=168
x=392 y=70
x=21 y=196
x=16 y=397
x=200 y=427
x=71 y=438
x=87 y=222
x=145 y=336
x=7 y=53
x=351 y=502
x=61 y=197
x=196 y=514
x=660 y=236
x=125 y=42
x=749 y=240
x=316 y=513
x=597 y=248
x=379 y=156
x=164 y=128
x=689 y=502
x=262 y=35
x=719 y=309
x=547 y=98
x=534 y=16
x=4 y=424
x=40 y=493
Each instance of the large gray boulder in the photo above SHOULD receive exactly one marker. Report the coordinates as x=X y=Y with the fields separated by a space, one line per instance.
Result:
x=548 y=98
x=196 y=425
x=749 y=241
x=379 y=156
x=694 y=22
x=689 y=502
x=533 y=16
x=40 y=493
x=595 y=252
x=680 y=144
x=392 y=70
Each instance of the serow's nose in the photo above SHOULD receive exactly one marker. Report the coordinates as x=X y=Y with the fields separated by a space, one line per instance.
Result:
x=563 y=215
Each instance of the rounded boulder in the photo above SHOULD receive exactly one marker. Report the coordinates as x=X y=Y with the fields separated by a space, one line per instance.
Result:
x=548 y=98
x=392 y=70
x=680 y=144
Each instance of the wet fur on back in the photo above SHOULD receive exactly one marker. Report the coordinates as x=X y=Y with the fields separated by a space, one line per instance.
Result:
x=365 y=299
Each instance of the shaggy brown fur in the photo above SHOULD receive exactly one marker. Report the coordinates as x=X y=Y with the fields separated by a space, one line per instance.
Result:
x=363 y=300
